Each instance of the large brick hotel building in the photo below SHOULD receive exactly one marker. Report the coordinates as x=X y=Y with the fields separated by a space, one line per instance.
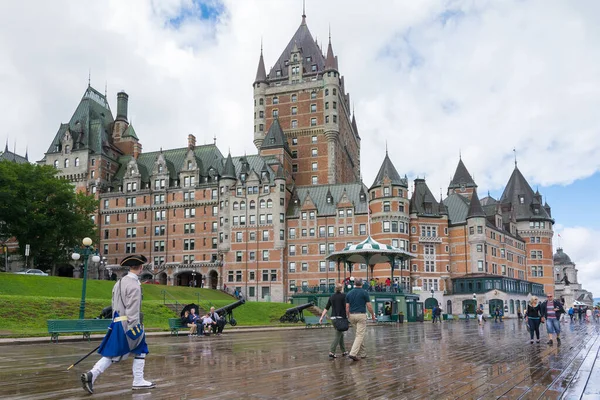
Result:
x=265 y=222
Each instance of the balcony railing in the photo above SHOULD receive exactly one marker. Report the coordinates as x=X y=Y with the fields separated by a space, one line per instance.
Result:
x=430 y=239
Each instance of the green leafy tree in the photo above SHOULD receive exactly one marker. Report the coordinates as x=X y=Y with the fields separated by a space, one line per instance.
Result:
x=41 y=210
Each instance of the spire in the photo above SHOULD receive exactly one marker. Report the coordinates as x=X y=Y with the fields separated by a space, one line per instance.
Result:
x=6 y=147
x=261 y=74
x=475 y=208
x=303 y=12
x=27 y=157
x=229 y=169
x=330 y=61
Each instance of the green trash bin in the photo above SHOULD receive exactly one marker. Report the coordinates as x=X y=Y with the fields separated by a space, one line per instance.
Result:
x=444 y=317
x=401 y=318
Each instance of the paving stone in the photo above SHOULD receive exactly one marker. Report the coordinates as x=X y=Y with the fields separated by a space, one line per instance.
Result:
x=453 y=360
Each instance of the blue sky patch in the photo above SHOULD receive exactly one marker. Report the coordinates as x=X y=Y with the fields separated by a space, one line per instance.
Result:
x=199 y=10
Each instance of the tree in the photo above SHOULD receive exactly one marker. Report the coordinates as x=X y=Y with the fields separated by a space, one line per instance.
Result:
x=41 y=210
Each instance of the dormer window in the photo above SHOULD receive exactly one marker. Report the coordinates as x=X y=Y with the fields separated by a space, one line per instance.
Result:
x=278 y=73
x=295 y=57
x=67 y=149
x=362 y=197
x=329 y=200
x=522 y=199
x=308 y=59
x=313 y=68
x=189 y=165
x=160 y=169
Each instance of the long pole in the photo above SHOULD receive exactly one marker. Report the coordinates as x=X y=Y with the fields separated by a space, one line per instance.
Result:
x=83 y=358
x=86 y=254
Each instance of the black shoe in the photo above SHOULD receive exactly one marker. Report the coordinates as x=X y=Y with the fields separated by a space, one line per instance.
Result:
x=557 y=341
x=549 y=342
x=332 y=355
x=354 y=358
x=86 y=380
x=344 y=354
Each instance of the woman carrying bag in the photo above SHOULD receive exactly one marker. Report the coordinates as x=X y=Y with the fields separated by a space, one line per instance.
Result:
x=533 y=317
x=339 y=319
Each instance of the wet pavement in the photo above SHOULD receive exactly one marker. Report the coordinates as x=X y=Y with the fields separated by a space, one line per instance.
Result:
x=453 y=360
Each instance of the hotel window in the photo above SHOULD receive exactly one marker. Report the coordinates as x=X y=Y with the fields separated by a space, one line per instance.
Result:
x=362 y=229
x=265 y=255
x=480 y=265
x=294 y=123
x=292 y=267
x=479 y=248
x=304 y=249
x=322 y=248
x=294 y=98
x=386 y=206
x=313 y=95
x=238 y=236
x=314 y=180
x=294 y=110
x=386 y=226
x=292 y=233
x=313 y=108
x=238 y=256
x=330 y=231
x=314 y=152
x=314 y=166
x=334 y=119
x=189 y=244
x=304 y=266
x=275 y=100
x=313 y=121
x=275 y=113
x=252 y=257
x=294 y=141
x=327 y=105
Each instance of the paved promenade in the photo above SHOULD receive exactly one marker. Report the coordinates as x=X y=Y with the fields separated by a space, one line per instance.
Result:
x=454 y=360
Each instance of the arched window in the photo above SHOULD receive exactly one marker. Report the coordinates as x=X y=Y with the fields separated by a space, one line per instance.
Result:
x=243 y=205
x=56 y=164
x=252 y=204
x=235 y=205
x=261 y=101
x=77 y=161
x=262 y=204
x=66 y=163
x=160 y=169
x=275 y=100
x=67 y=149
x=269 y=203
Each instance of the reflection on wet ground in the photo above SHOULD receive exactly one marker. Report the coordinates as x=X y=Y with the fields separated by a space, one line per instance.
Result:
x=453 y=360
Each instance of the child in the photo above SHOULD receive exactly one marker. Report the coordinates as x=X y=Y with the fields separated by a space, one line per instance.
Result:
x=207 y=323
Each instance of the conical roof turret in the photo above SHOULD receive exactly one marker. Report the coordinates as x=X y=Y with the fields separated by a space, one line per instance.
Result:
x=330 y=60
x=475 y=208
x=228 y=169
x=261 y=74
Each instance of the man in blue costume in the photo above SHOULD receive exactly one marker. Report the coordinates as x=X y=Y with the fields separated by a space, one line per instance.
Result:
x=126 y=334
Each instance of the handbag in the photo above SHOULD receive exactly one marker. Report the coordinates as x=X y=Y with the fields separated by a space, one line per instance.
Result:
x=341 y=324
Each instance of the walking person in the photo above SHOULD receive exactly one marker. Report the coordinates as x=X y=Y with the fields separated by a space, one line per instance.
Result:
x=496 y=314
x=337 y=304
x=571 y=313
x=551 y=312
x=479 y=313
x=126 y=334
x=357 y=303
x=533 y=317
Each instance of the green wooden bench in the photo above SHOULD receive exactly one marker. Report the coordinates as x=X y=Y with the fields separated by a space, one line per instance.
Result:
x=175 y=325
x=85 y=326
x=313 y=322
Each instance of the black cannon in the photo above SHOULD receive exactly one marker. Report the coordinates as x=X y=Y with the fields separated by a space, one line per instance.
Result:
x=106 y=313
x=226 y=312
x=295 y=314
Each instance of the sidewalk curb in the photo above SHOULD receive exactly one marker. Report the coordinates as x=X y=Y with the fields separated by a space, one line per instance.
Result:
x=98 y=337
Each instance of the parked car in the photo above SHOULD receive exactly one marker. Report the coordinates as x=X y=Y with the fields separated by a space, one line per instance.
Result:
x=33 y=272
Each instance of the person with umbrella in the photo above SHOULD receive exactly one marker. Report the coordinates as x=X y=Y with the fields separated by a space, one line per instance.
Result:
x=126 y=335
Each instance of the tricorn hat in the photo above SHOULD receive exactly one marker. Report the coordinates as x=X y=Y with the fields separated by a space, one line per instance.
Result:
x=134 y=260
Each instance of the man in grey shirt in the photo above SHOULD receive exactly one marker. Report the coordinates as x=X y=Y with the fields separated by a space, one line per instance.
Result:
x=357 y=303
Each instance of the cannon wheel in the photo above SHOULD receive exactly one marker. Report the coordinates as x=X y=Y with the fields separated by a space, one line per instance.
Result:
x=232 y=321
x=295 y=318
x=302 y=318
x=282 y=319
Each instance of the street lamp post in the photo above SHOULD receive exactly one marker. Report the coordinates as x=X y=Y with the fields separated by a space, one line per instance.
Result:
x=87 y=251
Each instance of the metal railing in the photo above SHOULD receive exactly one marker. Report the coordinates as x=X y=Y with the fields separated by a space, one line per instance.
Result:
x=171 y=297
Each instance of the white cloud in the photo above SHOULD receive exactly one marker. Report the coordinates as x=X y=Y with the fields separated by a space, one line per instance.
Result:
x=428 y=78
x=581 y=245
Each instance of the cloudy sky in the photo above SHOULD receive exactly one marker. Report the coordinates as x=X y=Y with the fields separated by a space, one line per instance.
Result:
x=430 y=78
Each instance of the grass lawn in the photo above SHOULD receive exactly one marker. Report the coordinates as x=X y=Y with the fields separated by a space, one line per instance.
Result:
x=28 y=301
x=55 y=286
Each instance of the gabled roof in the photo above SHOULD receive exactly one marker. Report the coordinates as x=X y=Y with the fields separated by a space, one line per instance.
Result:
x=306 y=44
x=422 y=202
x=8 y=155
x=275 y=138
x=475 y=209
x=209 y=155
x=524 y=201
x=130 y=132
x=319 y=194
x=461 y=177
x=90 y=125
x=387 y=170
x=458 y=208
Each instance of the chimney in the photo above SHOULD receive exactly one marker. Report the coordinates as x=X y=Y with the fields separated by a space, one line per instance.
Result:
x=122 y=100
x=137 y=150
x=191 y=141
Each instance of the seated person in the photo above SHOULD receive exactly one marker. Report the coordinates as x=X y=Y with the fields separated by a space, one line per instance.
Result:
x=219 y=322
x=207 y=323
x=192 y=319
